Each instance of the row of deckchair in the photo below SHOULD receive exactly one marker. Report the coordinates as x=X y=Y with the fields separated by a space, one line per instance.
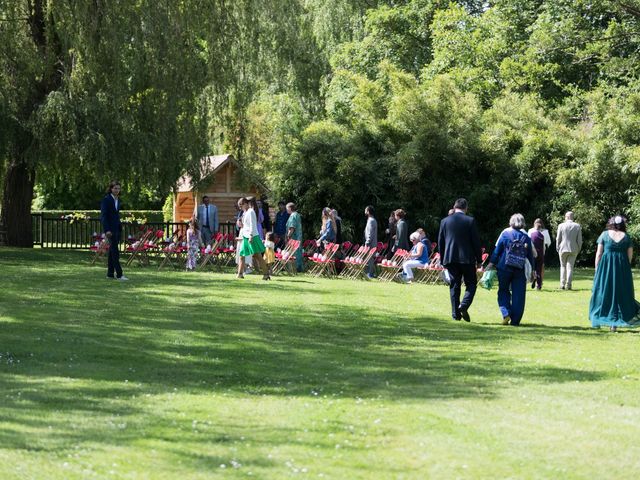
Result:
x=431 y=273
x=221 y=251
x=353 y=259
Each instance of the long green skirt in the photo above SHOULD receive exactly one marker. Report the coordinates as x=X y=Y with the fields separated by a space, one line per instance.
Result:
x=612 y=297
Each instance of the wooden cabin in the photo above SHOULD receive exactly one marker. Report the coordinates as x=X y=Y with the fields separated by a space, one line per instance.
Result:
x=224 y=184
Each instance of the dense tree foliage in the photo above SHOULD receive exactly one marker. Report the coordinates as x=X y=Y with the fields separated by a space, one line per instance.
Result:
x=97 y=90
x=528 y=105
x=523 y=106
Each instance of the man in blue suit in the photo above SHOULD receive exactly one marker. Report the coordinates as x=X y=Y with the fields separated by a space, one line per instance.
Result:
x=110 y=218
x=460 y=252
x=207 y=216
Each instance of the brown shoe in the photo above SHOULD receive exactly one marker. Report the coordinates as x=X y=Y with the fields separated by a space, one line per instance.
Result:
x=506 y=320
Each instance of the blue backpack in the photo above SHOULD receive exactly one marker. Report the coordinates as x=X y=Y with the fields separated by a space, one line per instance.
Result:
x=516 y=252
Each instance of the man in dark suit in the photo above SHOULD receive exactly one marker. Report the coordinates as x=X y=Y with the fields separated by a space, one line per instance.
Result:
x=110 y=218
x=460 y=252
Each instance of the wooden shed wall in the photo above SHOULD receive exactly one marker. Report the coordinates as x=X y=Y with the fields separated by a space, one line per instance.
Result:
x=223 y=192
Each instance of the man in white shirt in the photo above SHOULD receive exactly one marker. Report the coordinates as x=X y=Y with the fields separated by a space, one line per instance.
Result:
x=207 y=216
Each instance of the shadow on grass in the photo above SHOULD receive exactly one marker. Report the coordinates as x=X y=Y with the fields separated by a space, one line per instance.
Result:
x=73 y=342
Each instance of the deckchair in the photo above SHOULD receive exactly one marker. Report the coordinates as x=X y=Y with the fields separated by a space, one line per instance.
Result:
x=169 y=256
x=325 y=263
x=286 y=258
x=352 y=260
x=421 y=274
x=434 y=270
x=100 y=249
x=138 y=249
x=391 y=268
x=358 y=270
x=309 y=247
x=209 y=253
x=226 y=251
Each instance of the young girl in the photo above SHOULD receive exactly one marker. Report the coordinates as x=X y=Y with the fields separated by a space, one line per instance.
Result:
x=270 y=254
x=251 y=244
x=194 y=242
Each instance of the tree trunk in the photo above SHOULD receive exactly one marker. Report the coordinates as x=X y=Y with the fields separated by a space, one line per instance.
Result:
x=20 y=176
x=16 y=204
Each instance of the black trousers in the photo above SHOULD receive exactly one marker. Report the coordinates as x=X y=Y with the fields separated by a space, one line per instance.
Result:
x=113 y=263
x=461 y=272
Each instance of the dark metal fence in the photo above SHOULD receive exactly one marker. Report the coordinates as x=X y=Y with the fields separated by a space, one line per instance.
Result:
x=64 y=233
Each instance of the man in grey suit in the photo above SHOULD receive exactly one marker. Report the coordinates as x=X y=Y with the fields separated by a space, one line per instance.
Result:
x=568 y=244
x=371 y=238
x=207 y=216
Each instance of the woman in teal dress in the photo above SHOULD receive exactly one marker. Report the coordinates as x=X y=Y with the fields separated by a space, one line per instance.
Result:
x=612 y=298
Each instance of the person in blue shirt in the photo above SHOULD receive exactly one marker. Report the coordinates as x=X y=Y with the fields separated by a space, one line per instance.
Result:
x=418 y=257
x=328 y=230
x=280 y=227
x=424 y=239
x=512 y=251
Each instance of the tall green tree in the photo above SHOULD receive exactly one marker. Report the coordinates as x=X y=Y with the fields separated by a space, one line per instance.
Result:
x=99 y=90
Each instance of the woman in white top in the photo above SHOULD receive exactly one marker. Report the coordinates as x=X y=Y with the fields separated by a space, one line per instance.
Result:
x=252 y=246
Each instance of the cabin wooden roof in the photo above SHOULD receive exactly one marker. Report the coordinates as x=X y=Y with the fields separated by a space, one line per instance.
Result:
x=209 y=166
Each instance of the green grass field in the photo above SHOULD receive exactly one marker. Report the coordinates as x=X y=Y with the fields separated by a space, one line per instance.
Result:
x=199 y=376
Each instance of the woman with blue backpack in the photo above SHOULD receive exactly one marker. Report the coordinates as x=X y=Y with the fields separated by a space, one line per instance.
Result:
x=513 y=251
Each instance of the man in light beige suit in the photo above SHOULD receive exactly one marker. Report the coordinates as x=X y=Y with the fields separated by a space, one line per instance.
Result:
x=568 y=244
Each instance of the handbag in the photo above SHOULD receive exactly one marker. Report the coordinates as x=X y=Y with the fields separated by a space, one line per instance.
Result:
x=445 y=276
x=488 y=279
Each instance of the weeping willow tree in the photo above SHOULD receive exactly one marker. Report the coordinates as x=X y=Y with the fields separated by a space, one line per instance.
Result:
x=95 y=89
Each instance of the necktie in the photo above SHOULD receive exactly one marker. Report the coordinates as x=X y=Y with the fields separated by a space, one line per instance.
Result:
x=206 y=216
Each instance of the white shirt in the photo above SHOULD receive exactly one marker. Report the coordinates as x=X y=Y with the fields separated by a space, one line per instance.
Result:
x=249 y=224
x=115 y=199
x=545 y=234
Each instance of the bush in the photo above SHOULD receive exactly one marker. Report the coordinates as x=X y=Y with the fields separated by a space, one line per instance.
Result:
x=151 y=215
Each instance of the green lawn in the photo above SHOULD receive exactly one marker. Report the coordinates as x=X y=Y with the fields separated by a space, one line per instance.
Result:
x=178 y=375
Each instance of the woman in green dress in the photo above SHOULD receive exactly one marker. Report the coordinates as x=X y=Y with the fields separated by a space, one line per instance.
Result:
x=612 y=298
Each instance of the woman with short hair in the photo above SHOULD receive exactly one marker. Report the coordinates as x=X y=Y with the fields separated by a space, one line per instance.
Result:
x=613 y=302
x=512 y=251
x=418 y=257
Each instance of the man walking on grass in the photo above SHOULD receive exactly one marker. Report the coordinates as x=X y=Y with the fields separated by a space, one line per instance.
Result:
x=460 y=252
x=568 y=244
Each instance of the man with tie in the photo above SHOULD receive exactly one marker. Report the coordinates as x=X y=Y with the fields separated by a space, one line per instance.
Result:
x=207 y=215
x=460 y=251
x=110 y=218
